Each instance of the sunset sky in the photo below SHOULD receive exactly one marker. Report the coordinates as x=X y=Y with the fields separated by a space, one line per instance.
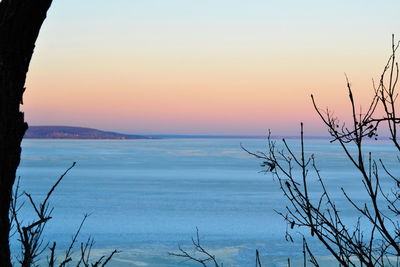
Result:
x=205 y=66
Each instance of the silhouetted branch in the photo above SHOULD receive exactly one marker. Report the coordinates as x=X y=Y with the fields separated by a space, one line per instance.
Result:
x=258 y=261
x=349 y=245
x=68 y=252
x=30 y=236
x=204 y=256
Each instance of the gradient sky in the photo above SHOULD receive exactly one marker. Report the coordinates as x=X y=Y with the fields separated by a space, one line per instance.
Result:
x=205 y=66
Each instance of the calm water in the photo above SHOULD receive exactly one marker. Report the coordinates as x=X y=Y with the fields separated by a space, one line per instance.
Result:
x=146 y=197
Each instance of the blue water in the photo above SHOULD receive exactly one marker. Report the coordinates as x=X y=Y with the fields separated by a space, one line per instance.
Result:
x=146 y=197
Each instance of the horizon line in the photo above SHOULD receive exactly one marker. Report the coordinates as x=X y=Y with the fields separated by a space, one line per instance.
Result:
x=178 y=135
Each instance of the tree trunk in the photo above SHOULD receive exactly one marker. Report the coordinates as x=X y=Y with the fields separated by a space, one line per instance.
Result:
x=20 y=22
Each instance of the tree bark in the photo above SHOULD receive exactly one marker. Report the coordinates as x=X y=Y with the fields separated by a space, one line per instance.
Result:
x=20 y=22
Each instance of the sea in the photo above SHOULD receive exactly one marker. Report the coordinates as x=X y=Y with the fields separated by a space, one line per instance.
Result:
x=147 y=198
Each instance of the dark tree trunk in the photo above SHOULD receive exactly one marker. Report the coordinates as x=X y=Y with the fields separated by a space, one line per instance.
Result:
x=20 y=22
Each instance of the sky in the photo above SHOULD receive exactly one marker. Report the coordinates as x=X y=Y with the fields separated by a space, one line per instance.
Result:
x=224 y=67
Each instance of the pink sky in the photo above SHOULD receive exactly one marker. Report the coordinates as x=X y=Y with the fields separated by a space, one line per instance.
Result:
x=232 y=67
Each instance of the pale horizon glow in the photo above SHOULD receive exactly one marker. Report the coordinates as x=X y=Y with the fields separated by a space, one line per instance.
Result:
x=205 y=67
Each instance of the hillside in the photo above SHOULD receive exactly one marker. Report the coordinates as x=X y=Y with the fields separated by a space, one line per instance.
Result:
x=69 y=132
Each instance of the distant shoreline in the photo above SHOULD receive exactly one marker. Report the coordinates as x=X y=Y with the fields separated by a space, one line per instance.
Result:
x=71 y=132
x=83 y=133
